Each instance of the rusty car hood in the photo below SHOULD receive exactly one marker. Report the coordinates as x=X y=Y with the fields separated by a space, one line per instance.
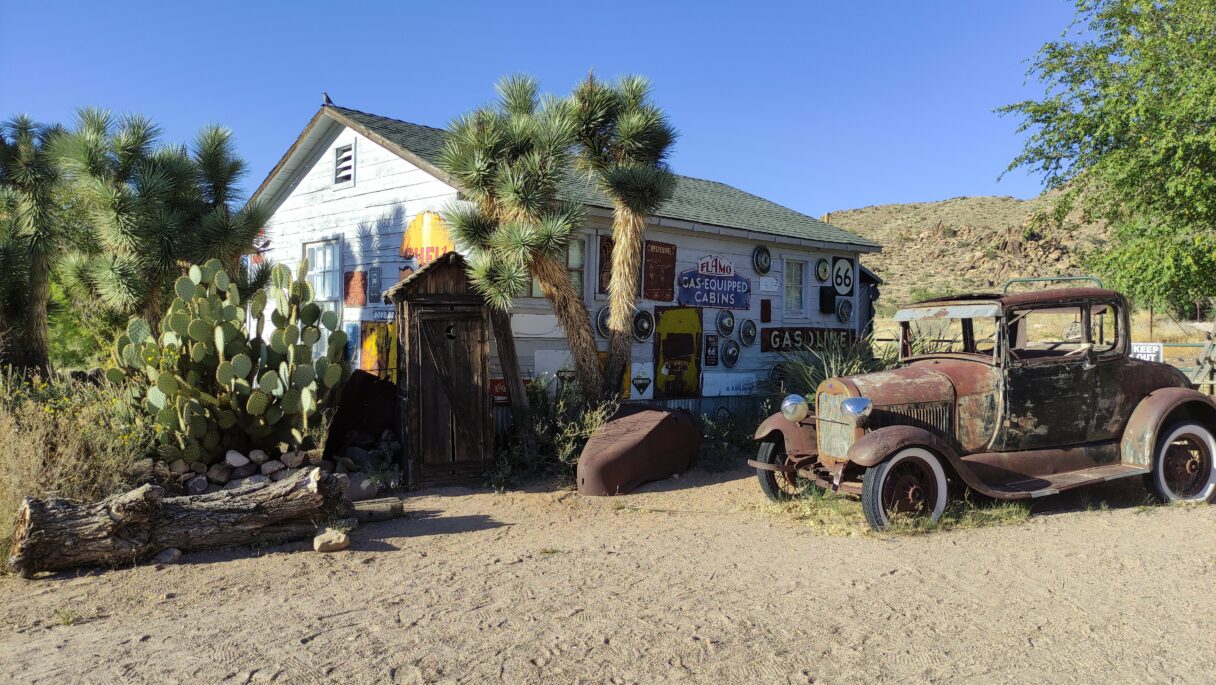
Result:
x=926 y=380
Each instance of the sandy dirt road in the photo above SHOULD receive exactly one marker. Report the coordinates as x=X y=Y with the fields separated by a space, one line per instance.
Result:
x=674 y=584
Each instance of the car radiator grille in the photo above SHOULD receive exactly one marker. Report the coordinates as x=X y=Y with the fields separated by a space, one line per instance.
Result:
x=835 y=432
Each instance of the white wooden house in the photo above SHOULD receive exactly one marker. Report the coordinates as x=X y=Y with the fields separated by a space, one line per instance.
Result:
x=731 y=279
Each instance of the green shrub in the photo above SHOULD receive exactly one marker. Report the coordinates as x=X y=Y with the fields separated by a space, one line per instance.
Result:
x=65 y=438
x=562 y=423
x=801 y=372
x=210 y=386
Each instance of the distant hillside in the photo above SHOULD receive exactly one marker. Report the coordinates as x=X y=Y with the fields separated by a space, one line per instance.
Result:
x=967 y=243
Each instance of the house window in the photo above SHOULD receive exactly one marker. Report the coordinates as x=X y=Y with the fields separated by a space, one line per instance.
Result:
x=576 y=264
x=344 y=164
x=795 y=287
x=324 y=275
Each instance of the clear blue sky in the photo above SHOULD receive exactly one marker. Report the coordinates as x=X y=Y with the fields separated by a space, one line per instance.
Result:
x=817 y=105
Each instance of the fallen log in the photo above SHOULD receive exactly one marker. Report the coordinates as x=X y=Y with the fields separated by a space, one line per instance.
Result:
x=56 y=534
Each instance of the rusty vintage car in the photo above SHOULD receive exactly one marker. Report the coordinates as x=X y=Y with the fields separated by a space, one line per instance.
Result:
x=1012 y=395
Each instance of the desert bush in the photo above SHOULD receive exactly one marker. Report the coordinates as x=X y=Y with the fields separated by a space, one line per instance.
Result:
x=833 y=514
x=562 y=422
x=802 y=371
x=209 y=385
x=727 y=441
x=64 y=438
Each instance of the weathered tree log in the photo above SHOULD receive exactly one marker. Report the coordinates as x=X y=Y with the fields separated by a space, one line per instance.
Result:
x=56 y=534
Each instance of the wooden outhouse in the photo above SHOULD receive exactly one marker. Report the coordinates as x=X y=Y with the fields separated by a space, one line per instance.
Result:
x=443 y=374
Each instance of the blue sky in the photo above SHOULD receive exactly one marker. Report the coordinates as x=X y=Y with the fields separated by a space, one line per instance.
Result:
x=818 y=105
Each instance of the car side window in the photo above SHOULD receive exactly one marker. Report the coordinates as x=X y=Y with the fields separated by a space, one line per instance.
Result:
x=1048 y=333
x=1104 y=328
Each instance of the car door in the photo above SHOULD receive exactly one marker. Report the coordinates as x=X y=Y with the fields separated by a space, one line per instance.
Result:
x=1114 y=395
x=1048 y=380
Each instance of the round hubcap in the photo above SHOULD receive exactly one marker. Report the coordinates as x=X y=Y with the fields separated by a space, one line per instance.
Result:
x=1186 y=466
x=909 y=489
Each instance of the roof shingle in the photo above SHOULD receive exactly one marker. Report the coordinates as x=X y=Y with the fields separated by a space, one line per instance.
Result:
x=694 y=200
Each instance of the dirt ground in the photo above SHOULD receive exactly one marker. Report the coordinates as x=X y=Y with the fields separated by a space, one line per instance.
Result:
x=690 y=580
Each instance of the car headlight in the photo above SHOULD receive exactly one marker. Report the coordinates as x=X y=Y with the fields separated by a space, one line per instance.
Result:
x=794 y=408
x=858 y=409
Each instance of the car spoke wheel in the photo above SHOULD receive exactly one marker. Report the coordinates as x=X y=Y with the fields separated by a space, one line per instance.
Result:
x=1184 y=470
x=779 y=487
x=911 y=484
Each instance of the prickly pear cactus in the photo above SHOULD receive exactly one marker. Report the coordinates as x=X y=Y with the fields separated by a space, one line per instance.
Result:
x=211 y=385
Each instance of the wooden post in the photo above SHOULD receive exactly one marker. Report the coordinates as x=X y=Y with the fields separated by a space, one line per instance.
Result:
x=508 y=358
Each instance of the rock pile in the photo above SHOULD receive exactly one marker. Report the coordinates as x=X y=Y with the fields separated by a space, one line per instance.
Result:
x=368 y=463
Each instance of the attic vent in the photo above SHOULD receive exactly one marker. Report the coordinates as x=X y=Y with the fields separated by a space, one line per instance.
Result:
x=344 y=164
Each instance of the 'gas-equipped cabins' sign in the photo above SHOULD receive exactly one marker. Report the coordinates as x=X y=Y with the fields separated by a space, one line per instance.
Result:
x=1149 y=352
x=790 y=339
x=714 y=284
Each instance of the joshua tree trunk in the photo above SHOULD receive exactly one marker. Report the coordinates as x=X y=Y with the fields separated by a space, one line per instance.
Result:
x=508 y=359
x=37 y=353
x=628 y=235
x=572 y=314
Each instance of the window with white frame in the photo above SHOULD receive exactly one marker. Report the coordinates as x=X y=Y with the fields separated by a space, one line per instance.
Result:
x=325 y=277
x=344 y=164
x=576 y=265
x=796 y=287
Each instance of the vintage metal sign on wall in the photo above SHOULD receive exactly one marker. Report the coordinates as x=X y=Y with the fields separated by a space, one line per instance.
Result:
x=659 y=272
x=714 y=283
x=792 y=338
x=425 y=239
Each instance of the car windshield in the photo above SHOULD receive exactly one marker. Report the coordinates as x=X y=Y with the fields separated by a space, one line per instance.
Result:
x=949 y=329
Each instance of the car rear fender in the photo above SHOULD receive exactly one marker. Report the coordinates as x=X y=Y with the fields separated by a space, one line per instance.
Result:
x=799 y=438
x=1154 y=412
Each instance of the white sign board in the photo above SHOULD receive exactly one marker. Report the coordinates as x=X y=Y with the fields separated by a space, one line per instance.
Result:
x=1149 y=352
x=729 y=383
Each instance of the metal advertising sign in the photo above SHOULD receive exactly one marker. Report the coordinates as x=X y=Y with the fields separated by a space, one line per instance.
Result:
x=659 y=271
x=789 y=339
x=711 y=349
x=714 y=283
x=425 y=239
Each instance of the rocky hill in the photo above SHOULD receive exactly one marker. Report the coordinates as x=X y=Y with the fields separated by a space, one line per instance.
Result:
x=968 y=243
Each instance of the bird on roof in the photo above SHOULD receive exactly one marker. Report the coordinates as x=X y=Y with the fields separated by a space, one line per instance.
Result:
x=325 y=98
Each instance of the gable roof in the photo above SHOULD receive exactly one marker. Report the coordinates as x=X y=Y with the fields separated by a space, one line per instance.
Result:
x=694 y=200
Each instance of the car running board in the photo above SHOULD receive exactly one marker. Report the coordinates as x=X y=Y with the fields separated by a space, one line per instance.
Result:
x=1059 y=482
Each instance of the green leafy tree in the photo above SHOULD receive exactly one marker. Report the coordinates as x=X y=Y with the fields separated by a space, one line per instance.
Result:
x=1127 y=124
x=1156 y=267
x=153 y=208
x=508 y=159
x=30 y=238
x=623 y=142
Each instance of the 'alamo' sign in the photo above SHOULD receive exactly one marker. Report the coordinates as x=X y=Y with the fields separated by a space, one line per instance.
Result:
x=715 y=284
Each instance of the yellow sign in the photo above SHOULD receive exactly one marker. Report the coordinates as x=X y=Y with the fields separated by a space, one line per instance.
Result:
x=677 y=352
x=426 y=239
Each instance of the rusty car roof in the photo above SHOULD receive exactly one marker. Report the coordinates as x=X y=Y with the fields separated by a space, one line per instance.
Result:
x=1029 y=297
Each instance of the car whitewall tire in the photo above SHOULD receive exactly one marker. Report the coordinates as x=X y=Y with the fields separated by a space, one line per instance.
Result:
x=912 y=481
x=1183 y=468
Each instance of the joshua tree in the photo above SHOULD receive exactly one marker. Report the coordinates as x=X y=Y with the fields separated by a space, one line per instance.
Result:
x=152 y=208
x=623 y=142
x=507 y=159
x=30 y=238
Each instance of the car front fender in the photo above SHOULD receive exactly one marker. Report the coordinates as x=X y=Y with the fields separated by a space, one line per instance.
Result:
x=799 y=438
x=1140 y=434
x=875 y=446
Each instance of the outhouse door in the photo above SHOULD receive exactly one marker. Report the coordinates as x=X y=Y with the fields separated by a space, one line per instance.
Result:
x=455 y=438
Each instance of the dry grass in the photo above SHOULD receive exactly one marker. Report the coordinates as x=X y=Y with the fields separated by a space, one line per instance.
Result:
x=63 y=439
x=839 y=515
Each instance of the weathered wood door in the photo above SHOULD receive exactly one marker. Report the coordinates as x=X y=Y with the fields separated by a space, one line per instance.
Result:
x=455 y=432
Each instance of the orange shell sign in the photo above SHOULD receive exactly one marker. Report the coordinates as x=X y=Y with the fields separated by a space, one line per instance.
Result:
x=426 y=239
